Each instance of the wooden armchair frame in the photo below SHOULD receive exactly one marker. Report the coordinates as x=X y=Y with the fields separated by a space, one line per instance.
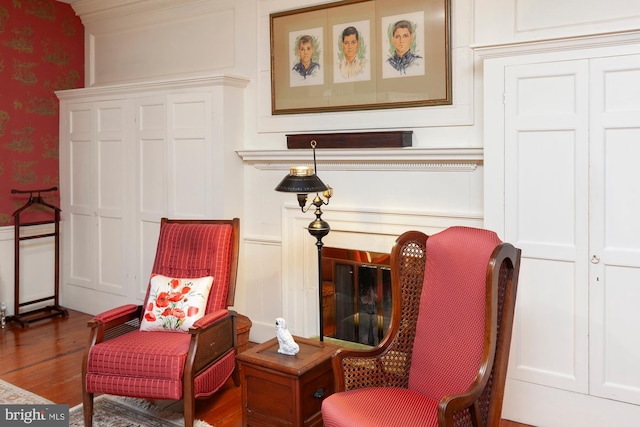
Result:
x=217 y=327
x=388 y=364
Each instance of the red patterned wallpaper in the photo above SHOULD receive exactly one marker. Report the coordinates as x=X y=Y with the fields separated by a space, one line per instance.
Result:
x=41 y=51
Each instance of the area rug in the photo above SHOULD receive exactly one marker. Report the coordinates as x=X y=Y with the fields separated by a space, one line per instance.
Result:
x=12 y=395
x=108 y=411
x=117 y=411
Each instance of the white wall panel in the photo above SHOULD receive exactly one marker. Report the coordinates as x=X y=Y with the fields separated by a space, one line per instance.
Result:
x=113 y=189
x=151 y=193
x=81 y=257
x=544 y=345
x=259 y=256
x=111 y=173
x=151 y=155
x=80 y=120
x=152 y=199
x=548 y=14
x=622 y=152
x=151 y=115
x=545 y=177
x=81 y=191
x=189 y=115
x=80 y=197
x=190 y=163
x=111 y=250
x=109 y=119
x=189 y=154
x=527 y=20
x=170 y=45
x=621 y=94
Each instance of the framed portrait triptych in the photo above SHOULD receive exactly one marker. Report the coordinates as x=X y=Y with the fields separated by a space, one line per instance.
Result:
x=361 y=54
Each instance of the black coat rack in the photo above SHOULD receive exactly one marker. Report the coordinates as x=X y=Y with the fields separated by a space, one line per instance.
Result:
x=26 y=317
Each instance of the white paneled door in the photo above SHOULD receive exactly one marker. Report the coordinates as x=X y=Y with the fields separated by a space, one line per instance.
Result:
x=99 y=186
x=572 y=203
x=615 y=228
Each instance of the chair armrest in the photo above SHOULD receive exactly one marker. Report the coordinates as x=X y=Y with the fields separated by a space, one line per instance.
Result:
x=112 y=323
x=116 y=313
x=212 y=337
x=378 y=367
x=210 y=318
x=453 y=404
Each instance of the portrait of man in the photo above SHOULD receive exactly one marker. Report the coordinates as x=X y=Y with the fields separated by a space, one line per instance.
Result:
x=403 y=45
x=306 y=58
x=351 y=58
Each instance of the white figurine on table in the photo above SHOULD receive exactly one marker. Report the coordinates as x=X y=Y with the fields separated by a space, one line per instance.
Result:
x=287 y=344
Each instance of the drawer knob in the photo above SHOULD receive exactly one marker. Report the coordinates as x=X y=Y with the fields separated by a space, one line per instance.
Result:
x=319 y=394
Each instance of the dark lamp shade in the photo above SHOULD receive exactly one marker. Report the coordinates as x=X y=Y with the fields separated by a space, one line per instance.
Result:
x=301 y=184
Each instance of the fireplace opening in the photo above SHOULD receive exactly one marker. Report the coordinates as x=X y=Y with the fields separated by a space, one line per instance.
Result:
x=356 y=295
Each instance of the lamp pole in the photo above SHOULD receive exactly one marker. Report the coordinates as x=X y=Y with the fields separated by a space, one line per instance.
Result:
x=319 y=228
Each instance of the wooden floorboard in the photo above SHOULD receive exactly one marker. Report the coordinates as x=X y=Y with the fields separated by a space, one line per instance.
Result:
x=46 y=359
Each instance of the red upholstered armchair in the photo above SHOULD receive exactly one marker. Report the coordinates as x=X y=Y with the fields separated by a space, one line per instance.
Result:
x=181 y=343
x=444 y=360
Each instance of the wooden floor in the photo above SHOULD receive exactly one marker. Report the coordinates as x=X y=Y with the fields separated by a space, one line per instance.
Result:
x=46 y=359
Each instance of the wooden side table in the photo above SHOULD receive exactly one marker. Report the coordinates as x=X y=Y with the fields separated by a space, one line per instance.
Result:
x=281 y=390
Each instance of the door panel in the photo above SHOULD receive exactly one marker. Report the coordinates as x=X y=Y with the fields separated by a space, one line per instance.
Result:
x=189 y=139
x=546 y=215
x=151 y=200
x=82 y=199
x=113 y=187
x=615 y=230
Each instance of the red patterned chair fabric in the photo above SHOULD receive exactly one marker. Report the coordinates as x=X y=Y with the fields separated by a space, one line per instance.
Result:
x=123 y=360
x=444 y=359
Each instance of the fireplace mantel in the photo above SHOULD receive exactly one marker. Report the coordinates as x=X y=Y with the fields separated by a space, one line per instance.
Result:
x=402 y=159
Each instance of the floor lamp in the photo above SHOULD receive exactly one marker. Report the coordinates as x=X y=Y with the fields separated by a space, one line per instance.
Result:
x=303 y=180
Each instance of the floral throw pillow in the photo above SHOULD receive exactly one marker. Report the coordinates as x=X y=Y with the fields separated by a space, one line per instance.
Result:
x=175 y=304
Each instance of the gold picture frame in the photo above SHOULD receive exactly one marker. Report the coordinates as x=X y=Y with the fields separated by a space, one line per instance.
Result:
x=361 y=54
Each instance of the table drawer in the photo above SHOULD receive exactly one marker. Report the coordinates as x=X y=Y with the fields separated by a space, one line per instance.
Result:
x=315 y=386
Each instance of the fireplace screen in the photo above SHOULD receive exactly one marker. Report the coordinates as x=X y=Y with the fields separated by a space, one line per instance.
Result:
x=356 y=288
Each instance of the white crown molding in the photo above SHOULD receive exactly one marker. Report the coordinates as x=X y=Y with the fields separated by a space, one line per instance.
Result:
x=401 y=159
x=98 y=10
x=160 y=85
x=604 y=40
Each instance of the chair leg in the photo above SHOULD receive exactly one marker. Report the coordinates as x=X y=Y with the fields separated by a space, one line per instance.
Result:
x=235 y=375
x=87 y=407
x=189 y=410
